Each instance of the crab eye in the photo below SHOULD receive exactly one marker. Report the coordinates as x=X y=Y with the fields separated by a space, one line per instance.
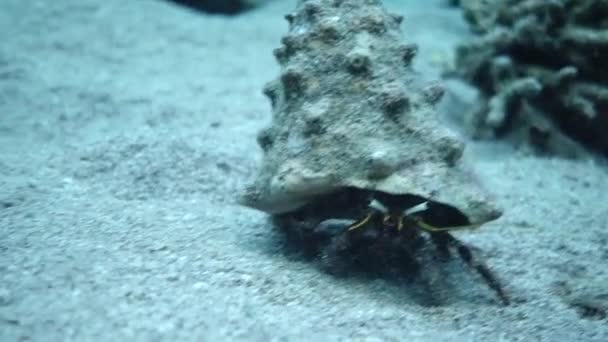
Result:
x=416 y=209
x=389 y=220
x=375 y=204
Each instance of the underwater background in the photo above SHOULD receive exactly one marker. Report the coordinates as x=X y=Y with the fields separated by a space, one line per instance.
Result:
x=128 y=129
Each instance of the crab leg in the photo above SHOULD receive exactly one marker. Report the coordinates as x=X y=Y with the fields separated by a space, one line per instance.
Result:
x=360 y=223
x=446 y=241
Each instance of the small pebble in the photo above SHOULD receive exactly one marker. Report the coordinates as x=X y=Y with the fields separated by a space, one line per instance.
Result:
x=172 y=277
x=5 y=297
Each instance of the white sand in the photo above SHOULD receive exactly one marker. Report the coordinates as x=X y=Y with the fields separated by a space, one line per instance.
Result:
x=127 y=127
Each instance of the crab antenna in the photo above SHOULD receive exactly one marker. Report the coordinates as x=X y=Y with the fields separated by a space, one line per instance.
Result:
x=430 y=228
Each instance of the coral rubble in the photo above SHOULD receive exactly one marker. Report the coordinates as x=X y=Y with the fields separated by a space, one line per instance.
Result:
x=349 y=112
x=540 y=67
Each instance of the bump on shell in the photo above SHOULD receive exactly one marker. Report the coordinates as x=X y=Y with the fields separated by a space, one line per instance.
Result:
x=358 y=63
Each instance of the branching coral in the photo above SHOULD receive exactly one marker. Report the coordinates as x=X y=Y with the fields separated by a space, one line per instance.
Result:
x=540 y=67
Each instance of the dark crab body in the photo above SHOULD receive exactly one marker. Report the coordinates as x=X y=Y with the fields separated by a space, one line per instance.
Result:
x=390 y=235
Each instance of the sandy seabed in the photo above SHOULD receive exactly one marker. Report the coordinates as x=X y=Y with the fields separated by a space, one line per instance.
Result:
x=128 y=127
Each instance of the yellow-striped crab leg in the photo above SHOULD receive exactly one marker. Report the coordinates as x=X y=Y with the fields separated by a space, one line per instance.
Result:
x=411 y=213
x=376 y=207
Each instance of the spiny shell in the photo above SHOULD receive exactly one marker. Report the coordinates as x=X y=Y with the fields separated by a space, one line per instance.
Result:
x=349 y=111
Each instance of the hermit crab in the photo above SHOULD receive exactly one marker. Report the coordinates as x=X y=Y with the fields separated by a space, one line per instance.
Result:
x=356 y=166
x=380 y=232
